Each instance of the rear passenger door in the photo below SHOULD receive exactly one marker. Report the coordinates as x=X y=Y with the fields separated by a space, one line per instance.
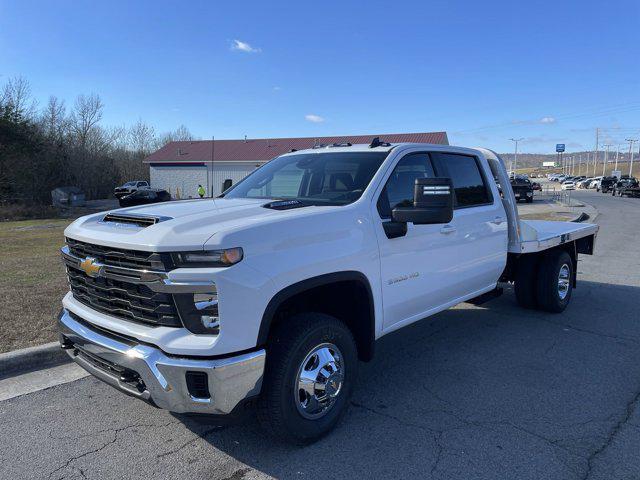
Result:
x=479 y=222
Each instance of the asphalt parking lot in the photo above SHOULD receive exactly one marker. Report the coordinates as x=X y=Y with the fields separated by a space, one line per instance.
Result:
x=488 y=392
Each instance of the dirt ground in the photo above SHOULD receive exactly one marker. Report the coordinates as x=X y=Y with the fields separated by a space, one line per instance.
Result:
x=32 y=281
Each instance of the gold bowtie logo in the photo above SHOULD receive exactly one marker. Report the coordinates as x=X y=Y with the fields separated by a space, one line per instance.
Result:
x=91 y=267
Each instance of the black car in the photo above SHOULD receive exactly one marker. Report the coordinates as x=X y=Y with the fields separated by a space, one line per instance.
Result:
x=607 y=184
x=522 y=189
x=627 y=186
x=142 y=197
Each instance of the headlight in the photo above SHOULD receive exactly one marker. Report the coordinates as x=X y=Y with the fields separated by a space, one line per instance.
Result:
x=209 y=258
x=199 y=311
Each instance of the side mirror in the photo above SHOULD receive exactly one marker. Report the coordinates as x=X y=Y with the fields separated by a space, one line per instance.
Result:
x=432 y=203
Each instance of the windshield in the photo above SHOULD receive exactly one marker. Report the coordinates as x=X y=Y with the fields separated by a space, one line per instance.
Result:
x=315 y=178
x=129 y=184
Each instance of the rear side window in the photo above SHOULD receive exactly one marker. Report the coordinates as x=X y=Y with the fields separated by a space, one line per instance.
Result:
x=468 y=182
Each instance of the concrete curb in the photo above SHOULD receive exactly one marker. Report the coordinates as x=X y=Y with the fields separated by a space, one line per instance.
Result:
x=26 y=360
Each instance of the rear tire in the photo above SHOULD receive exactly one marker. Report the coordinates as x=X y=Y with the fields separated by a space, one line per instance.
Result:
x=525 y=281
x=555 y=281
x=285 y=408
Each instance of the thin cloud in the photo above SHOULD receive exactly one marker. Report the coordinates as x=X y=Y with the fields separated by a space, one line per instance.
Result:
x=313 y=118
x=277 y=88
x=240 y=46
x=547 y=120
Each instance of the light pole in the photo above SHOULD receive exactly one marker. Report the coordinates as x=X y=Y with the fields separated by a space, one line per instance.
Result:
x=631 y=152
x=579 y=164
x=515 y=156
x=606 y=157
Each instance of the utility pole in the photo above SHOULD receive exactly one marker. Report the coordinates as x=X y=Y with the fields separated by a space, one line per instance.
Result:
x=606 y=157
x=631 y=152
x=617 y=155
x=213 y=151
x=573 y=164
x=515 y=156
x=595 y=152
x=579 y=164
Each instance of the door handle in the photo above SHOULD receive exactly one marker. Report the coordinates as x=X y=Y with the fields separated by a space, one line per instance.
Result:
x=498 y=220
x=448 y=229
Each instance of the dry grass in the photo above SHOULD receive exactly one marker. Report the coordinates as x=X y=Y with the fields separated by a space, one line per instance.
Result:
x=32 y=281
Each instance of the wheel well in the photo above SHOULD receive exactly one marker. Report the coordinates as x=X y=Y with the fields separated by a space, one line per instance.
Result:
x=513 y=261
x=345 y=296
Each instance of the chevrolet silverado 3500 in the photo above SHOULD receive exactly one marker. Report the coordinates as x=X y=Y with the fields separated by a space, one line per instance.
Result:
x=274 y=291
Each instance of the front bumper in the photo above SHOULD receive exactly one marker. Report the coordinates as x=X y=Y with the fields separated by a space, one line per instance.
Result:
x=147 y=373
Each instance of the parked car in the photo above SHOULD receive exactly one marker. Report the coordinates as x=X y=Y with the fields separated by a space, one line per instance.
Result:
x=627 y=186
x=130 y=187
x=522 y=189
x=595 y=183
x=568 y=185
x=584 y=183
x=607 y=184
x=276 y=300
x=143 y=197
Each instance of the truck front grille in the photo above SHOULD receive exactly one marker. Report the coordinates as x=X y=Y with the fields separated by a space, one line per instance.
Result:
x=121 y=258
x=122 y=299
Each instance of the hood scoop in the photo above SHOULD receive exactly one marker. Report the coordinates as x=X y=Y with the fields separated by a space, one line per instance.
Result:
x=285 y=204
x=128 y=219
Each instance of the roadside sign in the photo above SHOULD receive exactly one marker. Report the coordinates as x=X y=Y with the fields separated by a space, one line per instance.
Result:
x=559 y=147
x=617 y=174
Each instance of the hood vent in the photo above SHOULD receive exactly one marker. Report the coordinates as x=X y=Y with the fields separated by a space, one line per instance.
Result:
x=285 y=204
x=133 y=220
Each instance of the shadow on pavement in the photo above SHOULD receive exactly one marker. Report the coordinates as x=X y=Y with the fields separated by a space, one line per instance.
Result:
x=474 y=392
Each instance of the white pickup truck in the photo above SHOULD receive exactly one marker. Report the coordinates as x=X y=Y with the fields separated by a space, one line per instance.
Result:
x=273 y=292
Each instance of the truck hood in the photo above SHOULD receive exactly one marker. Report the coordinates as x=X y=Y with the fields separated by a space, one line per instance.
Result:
x=182 y=225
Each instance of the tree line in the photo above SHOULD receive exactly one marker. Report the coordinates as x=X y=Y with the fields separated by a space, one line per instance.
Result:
x=42 y=148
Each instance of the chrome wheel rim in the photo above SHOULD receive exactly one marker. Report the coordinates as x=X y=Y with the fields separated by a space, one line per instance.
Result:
x=563 y=281
x=319 y=381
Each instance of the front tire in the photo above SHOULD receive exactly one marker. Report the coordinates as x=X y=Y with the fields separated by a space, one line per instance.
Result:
x=555 y=281
x=311 y=368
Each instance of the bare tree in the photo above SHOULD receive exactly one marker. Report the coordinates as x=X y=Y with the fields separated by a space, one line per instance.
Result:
x=87 y=112
x=54 y=119
x=16 y=97
x=141 y=138
x=181 y=133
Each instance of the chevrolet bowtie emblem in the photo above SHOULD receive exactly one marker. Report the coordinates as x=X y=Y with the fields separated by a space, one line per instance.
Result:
x=91 y=267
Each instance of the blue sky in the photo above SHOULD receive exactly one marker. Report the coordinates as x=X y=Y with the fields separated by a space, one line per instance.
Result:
x=548 y=71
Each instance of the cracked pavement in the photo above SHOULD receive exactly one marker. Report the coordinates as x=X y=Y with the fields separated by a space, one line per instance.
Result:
x=487 y=392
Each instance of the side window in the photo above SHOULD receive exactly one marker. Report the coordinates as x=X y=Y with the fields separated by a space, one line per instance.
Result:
x=398 y=192
x=468 y=182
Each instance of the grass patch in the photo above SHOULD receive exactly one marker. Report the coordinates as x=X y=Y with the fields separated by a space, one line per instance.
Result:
x=32 y=281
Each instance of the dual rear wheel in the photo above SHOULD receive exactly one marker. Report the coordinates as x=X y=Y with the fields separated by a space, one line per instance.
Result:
x=545 y=282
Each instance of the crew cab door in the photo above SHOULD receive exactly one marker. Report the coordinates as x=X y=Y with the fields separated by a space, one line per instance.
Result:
x=432 y=267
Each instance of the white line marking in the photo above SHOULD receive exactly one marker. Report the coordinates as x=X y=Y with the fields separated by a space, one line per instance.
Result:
x=33 y=381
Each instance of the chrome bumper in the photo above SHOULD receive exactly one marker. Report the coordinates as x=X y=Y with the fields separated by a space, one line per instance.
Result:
x=147 y=373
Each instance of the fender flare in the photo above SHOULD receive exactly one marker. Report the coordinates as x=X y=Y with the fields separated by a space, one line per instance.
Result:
x=294 y=289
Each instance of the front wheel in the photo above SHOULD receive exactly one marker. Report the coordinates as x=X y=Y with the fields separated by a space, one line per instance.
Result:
x=311 y=368
x=554 y=282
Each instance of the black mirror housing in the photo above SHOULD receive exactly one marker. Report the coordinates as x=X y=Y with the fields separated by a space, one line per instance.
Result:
x=432 y=203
